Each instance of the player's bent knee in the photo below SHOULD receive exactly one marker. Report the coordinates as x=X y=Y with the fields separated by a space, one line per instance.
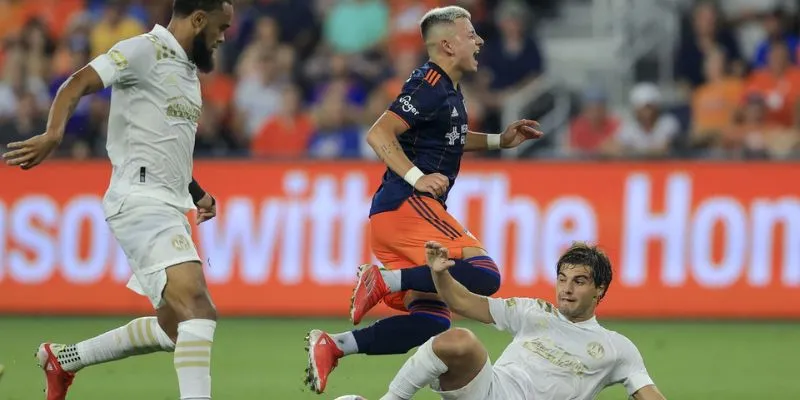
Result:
x=186 y=293
x=458 y=345
x=168 y=321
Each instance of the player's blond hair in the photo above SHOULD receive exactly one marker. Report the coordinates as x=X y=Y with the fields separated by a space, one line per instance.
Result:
x=441 y=15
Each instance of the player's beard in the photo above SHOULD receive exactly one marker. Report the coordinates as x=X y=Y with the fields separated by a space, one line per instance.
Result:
x=202 y=56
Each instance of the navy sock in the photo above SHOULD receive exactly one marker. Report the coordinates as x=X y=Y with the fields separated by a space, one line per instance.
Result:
x=478 y=274
x=401 y=333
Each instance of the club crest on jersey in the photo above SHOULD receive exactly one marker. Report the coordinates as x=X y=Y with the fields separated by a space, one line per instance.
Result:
x=180 y=243
x=595 y=350
x=457 y=133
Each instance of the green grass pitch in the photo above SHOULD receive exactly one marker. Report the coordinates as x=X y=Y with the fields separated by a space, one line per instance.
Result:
x=264 y=359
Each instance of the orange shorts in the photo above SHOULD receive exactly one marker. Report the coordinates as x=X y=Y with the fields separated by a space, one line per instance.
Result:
x=398 y=237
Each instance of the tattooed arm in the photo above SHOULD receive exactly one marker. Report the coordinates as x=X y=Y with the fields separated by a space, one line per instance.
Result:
x=382 y=137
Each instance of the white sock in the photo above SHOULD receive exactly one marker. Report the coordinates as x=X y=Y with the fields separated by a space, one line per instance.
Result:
x=392 y=279
x=346 y=342
x=193 y=358
x=418 y=372
x=140 y=336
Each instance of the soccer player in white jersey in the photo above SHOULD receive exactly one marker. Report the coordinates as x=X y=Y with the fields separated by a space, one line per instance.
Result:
x=556 y=353
x=155 y=106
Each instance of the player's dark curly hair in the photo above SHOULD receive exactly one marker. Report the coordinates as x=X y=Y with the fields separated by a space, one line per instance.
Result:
x=183 y=8
x=592 y=257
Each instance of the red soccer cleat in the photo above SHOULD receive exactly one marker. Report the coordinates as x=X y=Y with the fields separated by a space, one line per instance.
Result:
x=58 y=380
x=369 y=291
x=323 y=357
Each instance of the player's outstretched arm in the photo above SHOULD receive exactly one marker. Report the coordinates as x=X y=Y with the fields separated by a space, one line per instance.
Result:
x=457 y=297
x=513 y=136
x=382 y=137
x=32 y=152
x=649 y=392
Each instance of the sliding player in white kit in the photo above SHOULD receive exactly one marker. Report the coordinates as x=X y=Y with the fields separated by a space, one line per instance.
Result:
x=155 y=106
x=557 y=352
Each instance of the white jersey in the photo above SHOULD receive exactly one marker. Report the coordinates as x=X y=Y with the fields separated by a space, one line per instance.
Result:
x=553 y=358
x=155 y=106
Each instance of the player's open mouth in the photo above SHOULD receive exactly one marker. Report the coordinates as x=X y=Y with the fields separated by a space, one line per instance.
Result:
x=475 y=54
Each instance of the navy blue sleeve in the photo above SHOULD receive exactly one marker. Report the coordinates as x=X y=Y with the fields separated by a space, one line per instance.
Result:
x=418 y=102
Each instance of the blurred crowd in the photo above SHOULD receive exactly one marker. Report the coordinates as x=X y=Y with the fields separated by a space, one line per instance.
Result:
x=734 y=101
x=307 y=78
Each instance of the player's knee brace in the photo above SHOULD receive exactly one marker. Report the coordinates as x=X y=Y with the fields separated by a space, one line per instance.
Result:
x=478 y=274
x=435 y=310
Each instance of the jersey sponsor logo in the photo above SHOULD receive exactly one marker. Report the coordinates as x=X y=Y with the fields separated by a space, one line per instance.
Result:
x=454 y=113
x=181 y=108
x=407 y=106
x=556 y=355
x=595 y=350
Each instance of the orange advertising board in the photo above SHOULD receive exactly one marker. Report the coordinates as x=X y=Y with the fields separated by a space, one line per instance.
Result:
x=688 y=240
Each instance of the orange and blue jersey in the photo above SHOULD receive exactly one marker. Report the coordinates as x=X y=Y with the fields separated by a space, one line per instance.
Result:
x=434 y=111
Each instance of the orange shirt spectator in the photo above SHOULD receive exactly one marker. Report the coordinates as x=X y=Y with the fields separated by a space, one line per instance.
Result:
x=778 y=84
x=217 y=89
x=715 y=102
x=751 y=133
x=594 y=127
x=404 y=63
x=404 y=17
x=56 y=13
x=285 y=134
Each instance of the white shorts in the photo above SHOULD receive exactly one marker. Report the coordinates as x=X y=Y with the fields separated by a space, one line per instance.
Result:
x=487 y=385
x=154 y=236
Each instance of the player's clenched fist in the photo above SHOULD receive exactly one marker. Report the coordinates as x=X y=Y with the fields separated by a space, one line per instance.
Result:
x=437 y=256
x=435 y=184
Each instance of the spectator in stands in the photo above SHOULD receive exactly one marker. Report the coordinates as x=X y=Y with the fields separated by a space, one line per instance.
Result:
x=714 y=103
x=28 y=122
x=336 y=133
x=705 y=33
x=218 y=90
x=339 y=73
x=265 y=40
x=353 y=26
x=512 y=61
x=404 y=62
x=210 y=139
x=593 y=128
x=38 y=47
x=298 y=26
x=779 y=84
x=404 y=17
x=19 y=79
x=286 y=134
x=775 y=28
x=114 y=26
x=650 y=132
x=750 y=133
x=257 y=98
